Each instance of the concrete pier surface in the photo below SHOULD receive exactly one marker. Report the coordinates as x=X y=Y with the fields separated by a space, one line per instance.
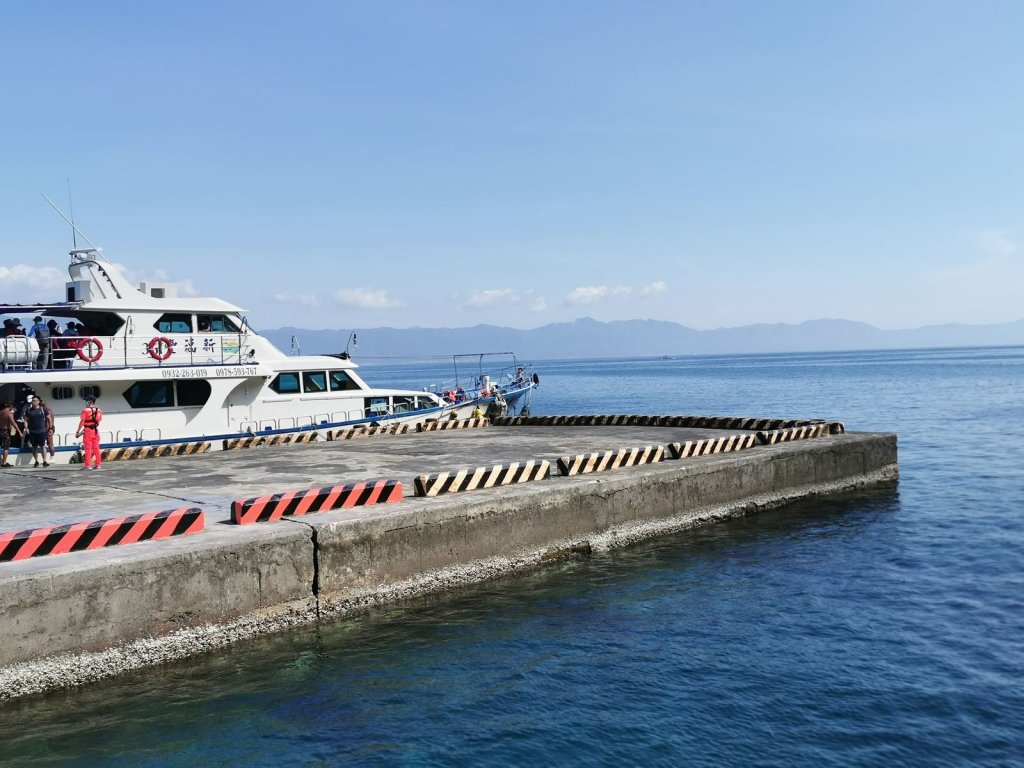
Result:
x=80 y=616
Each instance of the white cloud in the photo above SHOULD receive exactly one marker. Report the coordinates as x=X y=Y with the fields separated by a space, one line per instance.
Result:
x=186 y=288
x=995 y=265
x=997 y=242
x=655 y=288
x=494 y=297
x=48 y=278
x=364 y=299
x=589 y=294
x=985 y=287
x=300 y=299
x=483 y=299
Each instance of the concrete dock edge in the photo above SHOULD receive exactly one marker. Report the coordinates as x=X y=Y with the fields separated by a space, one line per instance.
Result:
x=87 y=620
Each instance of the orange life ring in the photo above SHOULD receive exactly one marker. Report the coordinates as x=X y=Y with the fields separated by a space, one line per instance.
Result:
x=90 y=350
x=160 y=348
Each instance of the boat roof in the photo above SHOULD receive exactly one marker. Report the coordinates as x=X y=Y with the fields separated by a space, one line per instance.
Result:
x=41 y=307
x=149 y=304
x=123 y=305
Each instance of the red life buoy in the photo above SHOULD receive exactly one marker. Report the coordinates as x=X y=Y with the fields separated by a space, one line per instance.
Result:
x=160 y=348
x=90 y=350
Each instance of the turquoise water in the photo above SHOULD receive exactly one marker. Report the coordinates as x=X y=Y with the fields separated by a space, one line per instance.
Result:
x=881 y=628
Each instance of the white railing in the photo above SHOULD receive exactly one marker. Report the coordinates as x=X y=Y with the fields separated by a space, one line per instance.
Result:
x=77 y=352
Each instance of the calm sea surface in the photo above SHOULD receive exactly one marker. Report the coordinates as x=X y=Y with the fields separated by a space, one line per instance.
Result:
x=882 y=628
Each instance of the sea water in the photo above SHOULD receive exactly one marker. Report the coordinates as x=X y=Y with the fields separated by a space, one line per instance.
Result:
x=883 y=627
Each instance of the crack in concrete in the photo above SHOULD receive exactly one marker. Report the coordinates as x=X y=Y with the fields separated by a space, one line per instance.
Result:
x=315 y=586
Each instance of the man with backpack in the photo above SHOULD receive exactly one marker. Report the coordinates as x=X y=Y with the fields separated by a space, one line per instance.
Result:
x=41 y=333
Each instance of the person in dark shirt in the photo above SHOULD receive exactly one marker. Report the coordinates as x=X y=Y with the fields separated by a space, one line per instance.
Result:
x=36 y=421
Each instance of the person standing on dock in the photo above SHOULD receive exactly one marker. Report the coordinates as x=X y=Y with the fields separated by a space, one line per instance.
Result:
x=89 y=431
x=35 y=418
x=7 y=426
x=49 y=427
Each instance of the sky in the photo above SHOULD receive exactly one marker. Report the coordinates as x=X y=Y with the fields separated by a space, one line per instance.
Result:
x=446 y=164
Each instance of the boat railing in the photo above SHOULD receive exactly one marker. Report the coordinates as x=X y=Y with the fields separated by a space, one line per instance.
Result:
x=97 y=352
x=318 y=420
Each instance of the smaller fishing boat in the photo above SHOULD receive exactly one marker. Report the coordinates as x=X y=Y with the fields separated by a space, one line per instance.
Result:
x=497 y=382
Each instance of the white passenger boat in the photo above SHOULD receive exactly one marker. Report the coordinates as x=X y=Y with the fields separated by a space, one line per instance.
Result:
x=169 y=370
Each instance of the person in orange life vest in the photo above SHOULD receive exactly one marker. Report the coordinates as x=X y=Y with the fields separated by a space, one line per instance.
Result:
x=89 y=431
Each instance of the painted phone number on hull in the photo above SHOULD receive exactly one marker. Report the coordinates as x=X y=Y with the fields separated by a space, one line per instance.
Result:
x=205 y=373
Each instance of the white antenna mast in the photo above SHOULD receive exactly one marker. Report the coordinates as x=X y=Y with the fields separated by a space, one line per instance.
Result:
x=71 y=210
x=69 y=221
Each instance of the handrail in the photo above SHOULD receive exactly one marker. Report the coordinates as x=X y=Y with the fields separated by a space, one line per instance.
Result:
x=117 y=352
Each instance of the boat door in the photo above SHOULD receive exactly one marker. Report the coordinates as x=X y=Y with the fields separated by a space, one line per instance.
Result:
x=239 y=404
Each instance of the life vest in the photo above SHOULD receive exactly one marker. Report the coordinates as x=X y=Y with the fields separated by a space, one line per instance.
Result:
x=93 y=418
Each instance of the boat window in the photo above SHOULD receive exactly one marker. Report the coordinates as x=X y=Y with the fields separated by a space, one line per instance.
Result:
x=174 y=323
x=62 y=393
x=314 y=381
x=90 y=390
x=404 y=404
x=376 y=406
x=341 y=381
x=216 y=324
x=150 y=394
x=425 y=402
x=192 y=391
x=286 y=383
x=98 y=323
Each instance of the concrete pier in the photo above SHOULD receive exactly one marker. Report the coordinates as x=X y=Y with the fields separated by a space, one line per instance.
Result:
x=81 y=616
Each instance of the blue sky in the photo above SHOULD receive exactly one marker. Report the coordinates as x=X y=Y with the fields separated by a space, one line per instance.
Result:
x=337 y=164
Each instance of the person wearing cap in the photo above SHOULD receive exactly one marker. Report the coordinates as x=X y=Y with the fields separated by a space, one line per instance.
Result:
x=89 y=431
x=70 y=343
x=35 y=418
x=40 y=331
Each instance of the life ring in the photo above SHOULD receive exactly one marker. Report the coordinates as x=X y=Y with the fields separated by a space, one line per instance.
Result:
x=90 y=350
x=160 y=348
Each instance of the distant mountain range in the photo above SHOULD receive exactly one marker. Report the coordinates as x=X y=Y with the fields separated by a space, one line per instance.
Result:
x=626 y=338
